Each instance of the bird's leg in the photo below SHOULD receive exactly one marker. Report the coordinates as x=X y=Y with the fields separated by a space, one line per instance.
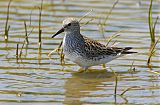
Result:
x=81 y=70
x=85 y=69
x=104 y=65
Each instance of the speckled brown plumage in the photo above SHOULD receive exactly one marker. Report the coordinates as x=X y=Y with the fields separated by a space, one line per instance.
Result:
x=95 y=48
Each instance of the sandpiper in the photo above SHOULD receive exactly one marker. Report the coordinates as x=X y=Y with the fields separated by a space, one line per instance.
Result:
x=84 y=51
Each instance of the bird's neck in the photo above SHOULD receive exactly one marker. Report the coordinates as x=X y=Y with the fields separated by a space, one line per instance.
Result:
x=73 y=39
x=72 y=34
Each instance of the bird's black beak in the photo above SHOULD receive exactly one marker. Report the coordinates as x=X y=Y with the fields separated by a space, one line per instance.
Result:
x=60 y=31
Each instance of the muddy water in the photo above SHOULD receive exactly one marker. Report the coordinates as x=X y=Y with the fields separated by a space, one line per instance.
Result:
x=36 y=79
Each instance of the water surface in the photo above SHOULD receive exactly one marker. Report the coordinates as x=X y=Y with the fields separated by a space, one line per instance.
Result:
x=36 y=79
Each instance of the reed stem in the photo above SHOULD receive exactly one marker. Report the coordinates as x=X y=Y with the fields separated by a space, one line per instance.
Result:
x=152 y=51
x=130 y=88
x=7 y=27
x=26 y=33
x=116 y=84
x=17 y=48
x=40 y=20
x=152 y=25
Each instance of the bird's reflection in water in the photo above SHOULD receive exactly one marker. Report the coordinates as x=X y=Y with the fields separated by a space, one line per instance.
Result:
x=82 y=84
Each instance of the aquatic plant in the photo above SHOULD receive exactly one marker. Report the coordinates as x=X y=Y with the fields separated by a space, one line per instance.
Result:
x=130 y=88
x=152 y=27
x=17 y=48
x=102 y=24
x=40 y=20
x=116 y=83
x=26 y=33
x=7 y=27
x=152 y=51
x=26 y=36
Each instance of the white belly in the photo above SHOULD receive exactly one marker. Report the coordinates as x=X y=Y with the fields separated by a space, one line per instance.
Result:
x=84 y=62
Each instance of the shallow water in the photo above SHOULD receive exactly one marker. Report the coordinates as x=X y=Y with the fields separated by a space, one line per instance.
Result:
x=36 y=79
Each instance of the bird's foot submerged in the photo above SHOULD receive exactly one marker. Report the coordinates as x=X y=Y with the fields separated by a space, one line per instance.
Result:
x=81 y=70
x=86 y=70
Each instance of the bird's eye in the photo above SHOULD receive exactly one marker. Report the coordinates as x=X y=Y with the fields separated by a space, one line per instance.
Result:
x=69 y=24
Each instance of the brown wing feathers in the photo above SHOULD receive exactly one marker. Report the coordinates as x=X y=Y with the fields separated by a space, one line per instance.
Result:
x=96 y=48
